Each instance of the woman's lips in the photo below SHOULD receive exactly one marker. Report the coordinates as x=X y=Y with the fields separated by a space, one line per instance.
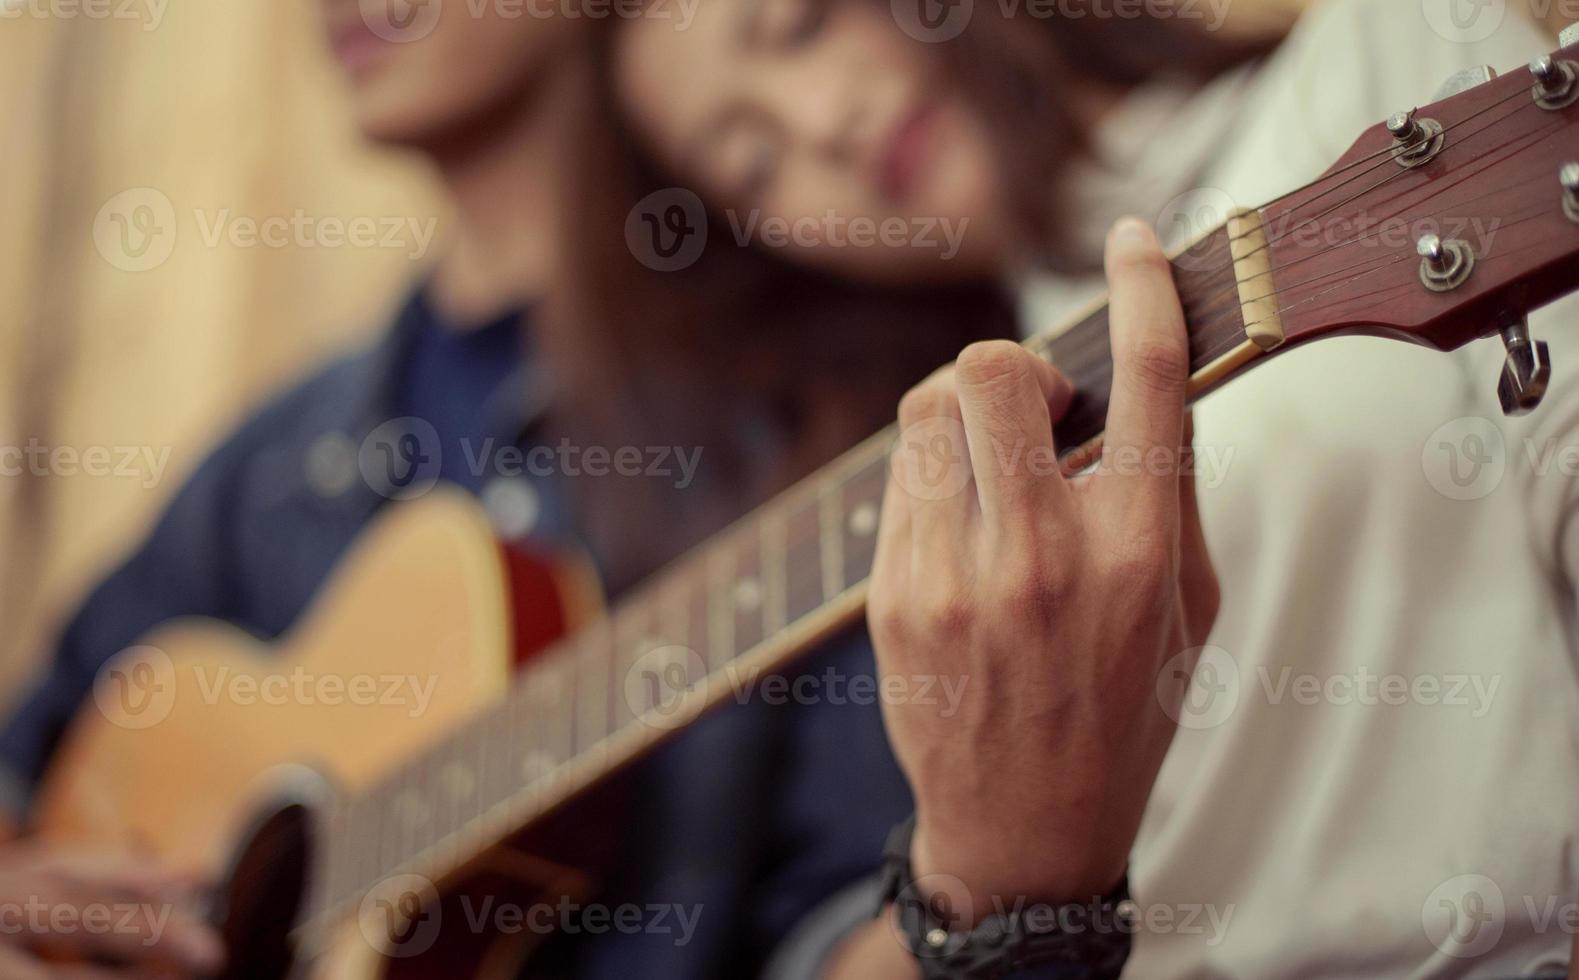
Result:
x=355 y=45
x=905 y=156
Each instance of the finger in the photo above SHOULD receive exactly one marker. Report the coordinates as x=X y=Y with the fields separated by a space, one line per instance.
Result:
x=123 y=875
x=1004 y=396
x=932 y=465
x=17 y=965
x=149 y=933
x=1197 y=578
x=1150 y=365
x=891 y=559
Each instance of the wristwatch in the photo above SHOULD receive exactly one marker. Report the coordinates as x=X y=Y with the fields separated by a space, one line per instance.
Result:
x=1089 y=940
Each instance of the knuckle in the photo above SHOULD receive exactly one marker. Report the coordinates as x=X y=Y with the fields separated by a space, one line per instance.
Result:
x=1160 y=365
x=993 y=364
x=927 y=400
x=947 y=617
x=886 y=618
x=1037 y=575
x=1145 y=561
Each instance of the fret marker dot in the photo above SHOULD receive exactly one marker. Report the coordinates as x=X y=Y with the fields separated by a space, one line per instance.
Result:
x=748 y=595
x=412 y=809
x=863 y=520
x=458 y=779
x=547 y=686
x=537 y=764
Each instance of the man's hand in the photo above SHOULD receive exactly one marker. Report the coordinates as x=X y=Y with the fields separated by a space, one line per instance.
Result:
x=1056 y=600
x=96 y=909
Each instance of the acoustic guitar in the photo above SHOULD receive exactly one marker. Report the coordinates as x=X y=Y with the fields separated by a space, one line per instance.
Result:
x=353 y=790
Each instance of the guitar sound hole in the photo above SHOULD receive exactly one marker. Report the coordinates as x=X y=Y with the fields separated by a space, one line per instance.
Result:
x=259 y=902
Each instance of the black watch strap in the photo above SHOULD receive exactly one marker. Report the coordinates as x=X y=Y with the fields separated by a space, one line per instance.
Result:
x=1092 y=939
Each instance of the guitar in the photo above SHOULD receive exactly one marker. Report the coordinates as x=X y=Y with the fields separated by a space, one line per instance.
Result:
x=347 y=834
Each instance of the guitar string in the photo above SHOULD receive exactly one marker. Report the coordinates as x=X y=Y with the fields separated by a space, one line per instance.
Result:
x=1229 y=279
x=611 y=651
x=1207 y=319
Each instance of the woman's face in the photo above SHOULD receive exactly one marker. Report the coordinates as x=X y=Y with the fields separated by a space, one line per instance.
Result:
x=421 y=69
x=820 y=127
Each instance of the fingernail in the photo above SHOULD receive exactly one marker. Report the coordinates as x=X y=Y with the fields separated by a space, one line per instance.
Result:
x=1132 y=231
x=201 y=950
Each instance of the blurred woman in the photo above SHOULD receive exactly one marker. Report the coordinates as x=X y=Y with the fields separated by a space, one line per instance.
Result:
x=796 y=119
x=476 y=360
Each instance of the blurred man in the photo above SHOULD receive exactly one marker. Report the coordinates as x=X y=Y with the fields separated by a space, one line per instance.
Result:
x=257 y=529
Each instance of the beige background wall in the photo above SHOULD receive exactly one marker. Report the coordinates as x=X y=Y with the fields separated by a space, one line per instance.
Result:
x=216 y=104
x=225 y=104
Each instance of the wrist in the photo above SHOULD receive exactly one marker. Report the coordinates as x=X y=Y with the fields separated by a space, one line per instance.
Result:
x=954 y=930
x=980 y=870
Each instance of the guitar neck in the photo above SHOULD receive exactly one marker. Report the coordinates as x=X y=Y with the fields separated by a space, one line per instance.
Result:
x=742 y=605
x=752 y=599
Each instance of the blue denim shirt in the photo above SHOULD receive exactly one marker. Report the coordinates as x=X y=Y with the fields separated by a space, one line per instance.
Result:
x=740 y=827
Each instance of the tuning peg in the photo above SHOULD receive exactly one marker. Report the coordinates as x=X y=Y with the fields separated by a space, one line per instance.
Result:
x=1556 y=82
x=1568 y=177
x=1416 y=142
x=1463 y=80
x=1525 y=373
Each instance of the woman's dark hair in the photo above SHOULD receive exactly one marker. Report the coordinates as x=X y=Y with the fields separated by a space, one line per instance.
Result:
x=768 y=367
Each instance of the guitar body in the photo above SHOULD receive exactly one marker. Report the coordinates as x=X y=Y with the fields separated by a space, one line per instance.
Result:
x=216 y=752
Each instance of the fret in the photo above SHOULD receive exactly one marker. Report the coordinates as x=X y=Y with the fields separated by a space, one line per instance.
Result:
x=697 y=611
x=862 y=491
x=747 y=592
x=674 y=606
x=635 y=638
x=499 y=756
x=547 y=726
x=386 y=830
x=830 y=518
x=720 y=607
x=803 y=575
x=772 y=533
x=550 y=720
x=455 y=784
x=593 y=656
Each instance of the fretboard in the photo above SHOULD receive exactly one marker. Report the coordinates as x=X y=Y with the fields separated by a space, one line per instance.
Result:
x=742 y=605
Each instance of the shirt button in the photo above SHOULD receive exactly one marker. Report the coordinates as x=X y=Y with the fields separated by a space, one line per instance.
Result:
x=331 y=465
x=513 y=507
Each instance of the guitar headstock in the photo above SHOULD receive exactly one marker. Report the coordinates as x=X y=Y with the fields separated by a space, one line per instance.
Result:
x=1442 y=224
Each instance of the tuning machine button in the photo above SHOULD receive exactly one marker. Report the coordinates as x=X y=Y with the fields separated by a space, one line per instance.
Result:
x=1462 y=81
x=1444 y=265
x=1568 y=176
x=1556 y=82
x=1416 y=142
x=1526 y=371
